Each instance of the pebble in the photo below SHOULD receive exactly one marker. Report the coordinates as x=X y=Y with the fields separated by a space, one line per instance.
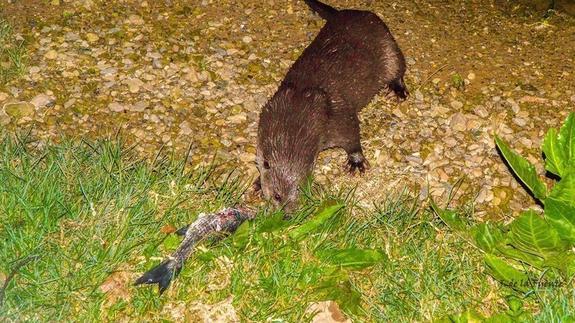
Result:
x=116 y=107
x=139 y=106
x=19 y=110
x=520 y=122
x=418 y=95
x=481 y=111
x=185 y=128
x=135 y=20
x=247 y=157
x=92 y=38
x=4 y=118
x=109 y=71
x=3 y=96
x=458 y=122
x=456 y=105
x=238 y=118
x=134 y=85
x=42 y=100
x=51 y=54
x=247 y=39
x=471 y=76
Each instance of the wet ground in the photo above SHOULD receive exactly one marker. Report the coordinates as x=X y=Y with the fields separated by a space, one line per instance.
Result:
x=181 y=73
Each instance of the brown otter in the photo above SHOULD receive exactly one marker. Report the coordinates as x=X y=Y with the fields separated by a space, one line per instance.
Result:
x=316 y=106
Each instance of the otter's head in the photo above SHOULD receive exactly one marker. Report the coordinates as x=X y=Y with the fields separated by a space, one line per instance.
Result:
x=291 y=126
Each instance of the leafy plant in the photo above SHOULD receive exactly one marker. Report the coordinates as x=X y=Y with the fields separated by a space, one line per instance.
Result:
x=535 y=241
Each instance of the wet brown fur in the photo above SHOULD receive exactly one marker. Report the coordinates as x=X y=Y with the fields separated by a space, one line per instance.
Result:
x=316 y=106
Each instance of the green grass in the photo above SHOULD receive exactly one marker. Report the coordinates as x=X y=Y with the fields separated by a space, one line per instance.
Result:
x=90 y=214
x=13 y=56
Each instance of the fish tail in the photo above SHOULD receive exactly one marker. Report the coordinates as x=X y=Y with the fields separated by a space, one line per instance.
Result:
x=162 y=275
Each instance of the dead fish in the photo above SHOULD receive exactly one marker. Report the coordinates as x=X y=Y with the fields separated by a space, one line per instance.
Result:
x=223 y=222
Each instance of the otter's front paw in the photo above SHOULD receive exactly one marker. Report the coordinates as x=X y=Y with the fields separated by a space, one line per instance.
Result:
x=356 y=161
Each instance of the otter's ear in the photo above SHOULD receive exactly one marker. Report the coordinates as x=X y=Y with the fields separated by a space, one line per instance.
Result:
x=318 y=100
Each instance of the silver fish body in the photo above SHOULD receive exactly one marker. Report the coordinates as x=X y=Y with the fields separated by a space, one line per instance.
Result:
x=223 y=222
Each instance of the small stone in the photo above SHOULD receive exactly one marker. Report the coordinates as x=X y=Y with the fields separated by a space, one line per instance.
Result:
x=458 y=122
x=116 y=107
x=471 y=76
x=19 y=110
x=481 y=111
x=140 y=106
x=135 y=20
x=51 y=54
x=247 y=157
x=4 y=118
x=247 y=39
x=410 y=61
x=92 y=38
x=69 y=103
x=418 y=95
x=134 y=85
x=520 y=122
x=456 y=105
x=3 y=96
x=327 y=312
x=42 y=100
x=238 y=118
x=34 y=70
x=109 y=71
x=185 y=128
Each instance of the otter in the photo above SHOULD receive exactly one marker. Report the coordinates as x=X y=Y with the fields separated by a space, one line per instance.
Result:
x=316 y=106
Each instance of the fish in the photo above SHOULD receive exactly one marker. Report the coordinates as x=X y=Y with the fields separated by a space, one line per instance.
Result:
x=217 y=225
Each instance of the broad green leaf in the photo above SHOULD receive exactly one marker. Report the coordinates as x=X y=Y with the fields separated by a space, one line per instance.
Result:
x=171 y=242
x=469 y=316
x=515 y=305
x=564 y=261
x=351 y=258
x=487 y=236
x=450 y=218
x=241 y=237
x=347 y=297
x=511 y=252
x=273 y=223
x=561 y=215
x=555 y=157
x=523 y=169
x=317 y=221
x=505 y=273
x=532 y=234
x=206 y=255
x=565 y=188
x=560 y=207
x=567 y=139
x=500 y=318
x=336 y=286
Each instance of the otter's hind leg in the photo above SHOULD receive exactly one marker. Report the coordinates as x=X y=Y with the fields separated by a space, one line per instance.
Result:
x=399 y=89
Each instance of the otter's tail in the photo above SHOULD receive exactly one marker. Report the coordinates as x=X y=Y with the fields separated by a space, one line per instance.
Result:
x=323 y=10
